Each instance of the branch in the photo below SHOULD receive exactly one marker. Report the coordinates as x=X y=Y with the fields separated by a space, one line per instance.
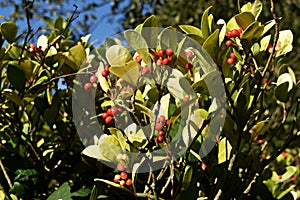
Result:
x=28 y=5
x=5 y=174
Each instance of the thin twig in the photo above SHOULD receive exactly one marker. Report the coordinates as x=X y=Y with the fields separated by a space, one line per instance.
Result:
x=29 y=29
x=5 y=174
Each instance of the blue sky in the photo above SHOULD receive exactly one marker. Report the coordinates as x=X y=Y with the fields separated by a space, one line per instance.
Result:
x=99 y=31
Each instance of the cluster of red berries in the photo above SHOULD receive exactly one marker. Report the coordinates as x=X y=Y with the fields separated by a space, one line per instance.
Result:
x=89 y=85
x=34 y=48
x=164 y=57
x=108 y=115
x=234 y=33
x=231 y=58
x=105 y=72
x=122 y=179
x=231 y=34
x=159 y=125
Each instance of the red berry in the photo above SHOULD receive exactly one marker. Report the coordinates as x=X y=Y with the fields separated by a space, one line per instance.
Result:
x=232 y=55
x=168 y=122
x=240 y=32
x=117 y=178
x=280 y=176
x=161 y=119
x=87 y=86
x=170 y=58
x=159 y=139
x=229 y=34
x=169 y=51
x=93 y=79
x=104 y=115
x=122 y=182
x=158 y=126
x=108 y=119
x=261 y=141
x=165 y=61
x=228 y=43
x=114 y=110
x=235 y=33
x=285 y=154
x=161 y=53
x=129 y=182
x=104 y=74
x=138 y=59
x=123 y=175
x=185 y=99
x=106 y=69
x=188 y=66
x=161 y=133
x=120 y=167
x=120 y=110
x=109 y=112
x=230 y=61
x=265 y=81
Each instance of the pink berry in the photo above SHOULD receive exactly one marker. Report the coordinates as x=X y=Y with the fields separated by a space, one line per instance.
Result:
x=158 y=126
x=169 y=51
x=93 y=79
x=120 y=167
x=230 y=61
x=228 y=43
x=87 y=86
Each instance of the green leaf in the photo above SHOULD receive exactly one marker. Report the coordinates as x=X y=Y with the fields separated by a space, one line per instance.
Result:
x=150 y=31
x=118 y=55
x=224 y=149
x=264 y=42
x=281 y=92
x=82 y=192
x=63 y=192
x=255 y=8
x=128 y=72
x=27 y=66
x=168 y=39
x=286 y=77
x=268 y=25
x=222 y=34
x=187 y=177
x=59 y=23
x=139 y=44
x=9 y=31
x=188 y=29
x=211 y=44
x=244 y=19
x=285 y=41
x=119 y=136
x=206 y=23
x=13 y=96
x=77 y=56
x=251 y=34
x=16 y=76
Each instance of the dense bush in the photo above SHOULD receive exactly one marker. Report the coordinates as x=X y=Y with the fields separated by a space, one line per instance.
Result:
x=59 y=95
